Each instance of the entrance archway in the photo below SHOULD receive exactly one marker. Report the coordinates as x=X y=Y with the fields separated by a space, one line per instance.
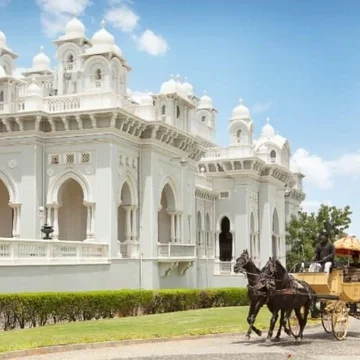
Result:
x=275 y=238
x=167 y=219
x=6 y=213
x=126 y=215
x=72 y=212
x=225 y=240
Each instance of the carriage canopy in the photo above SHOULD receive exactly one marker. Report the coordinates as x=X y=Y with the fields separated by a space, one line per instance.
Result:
x=347 y=246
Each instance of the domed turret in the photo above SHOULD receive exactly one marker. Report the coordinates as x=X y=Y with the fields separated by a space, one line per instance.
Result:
x=74 y=28
x=205 y=102
x=41 y=61
x=267 y=131
x=168 y=87
x=188 y=88
x=103 y=37
x=240 y=111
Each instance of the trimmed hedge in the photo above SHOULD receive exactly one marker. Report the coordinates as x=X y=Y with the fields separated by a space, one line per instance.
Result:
x=38 y=309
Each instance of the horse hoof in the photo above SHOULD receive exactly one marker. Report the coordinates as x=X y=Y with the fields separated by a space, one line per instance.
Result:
x=247 y=337
x=276 y=340
x=259 y=333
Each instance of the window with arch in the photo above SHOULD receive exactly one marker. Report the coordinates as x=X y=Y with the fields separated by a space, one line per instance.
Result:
x=98 y=74
x=1 y=96
x=238 y=136
x=71 y=58
x=203 y=118
x=177 y=111
x=163 y=110
x=273 y=156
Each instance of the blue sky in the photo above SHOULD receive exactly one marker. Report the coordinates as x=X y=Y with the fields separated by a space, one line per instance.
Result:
x=295 y=61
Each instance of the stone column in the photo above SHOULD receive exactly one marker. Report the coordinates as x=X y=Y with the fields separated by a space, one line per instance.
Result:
x=134 y=223
x=16 y=220
x=172 y=226
x=178 y=228
x=56 y=221
x=217 y=245
x=128 y=229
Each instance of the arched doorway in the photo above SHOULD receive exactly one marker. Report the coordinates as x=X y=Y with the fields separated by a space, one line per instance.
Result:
x=225 y=240
x=126 y=215
x=6 y=213
x=72 y=212
x=275 y=234
x=168 y=222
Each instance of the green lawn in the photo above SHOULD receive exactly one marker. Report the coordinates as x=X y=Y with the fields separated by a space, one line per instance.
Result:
x=195 y=322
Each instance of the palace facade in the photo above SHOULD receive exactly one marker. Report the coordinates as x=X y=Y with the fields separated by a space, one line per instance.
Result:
x=133 y=184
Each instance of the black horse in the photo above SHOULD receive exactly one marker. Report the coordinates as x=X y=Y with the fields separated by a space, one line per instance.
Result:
x=285 y=294
x=258 y=293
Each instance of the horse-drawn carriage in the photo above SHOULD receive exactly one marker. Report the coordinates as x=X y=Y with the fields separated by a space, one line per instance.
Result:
x=337 y=292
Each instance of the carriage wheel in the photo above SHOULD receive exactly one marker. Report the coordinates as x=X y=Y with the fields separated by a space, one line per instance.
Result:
x=293 y=323
x=340 y=320
x=326 y=321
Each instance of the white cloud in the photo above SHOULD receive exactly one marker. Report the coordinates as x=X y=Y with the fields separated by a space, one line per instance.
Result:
x=261 y=107
x=321 y=173
x=56 y=13
x=122 y=18
x=151 y=43
x=315 y=169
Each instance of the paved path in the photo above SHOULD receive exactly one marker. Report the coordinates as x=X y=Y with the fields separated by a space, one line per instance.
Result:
x=316 y=345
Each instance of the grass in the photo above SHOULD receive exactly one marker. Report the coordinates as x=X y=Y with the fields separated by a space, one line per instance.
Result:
x=194 y=322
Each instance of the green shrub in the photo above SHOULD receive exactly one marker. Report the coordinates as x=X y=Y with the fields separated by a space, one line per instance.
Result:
x=38 y=309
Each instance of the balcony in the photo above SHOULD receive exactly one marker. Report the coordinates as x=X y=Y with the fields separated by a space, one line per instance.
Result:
x=51 y=252
x=173 y=251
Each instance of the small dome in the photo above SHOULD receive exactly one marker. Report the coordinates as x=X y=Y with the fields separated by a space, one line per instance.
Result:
x=205 y=102
x=41 y=61
x=147 y=99
x=263 y=149
x=2 y=72
x=103 y=37
x=188 y=88
x=267 y=131
x=168 y=87
x=75 y=28
x=34 y=88
x=2 y=39
x=241 y=111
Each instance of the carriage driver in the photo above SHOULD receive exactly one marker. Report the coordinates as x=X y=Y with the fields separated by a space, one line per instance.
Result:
x=324 y=254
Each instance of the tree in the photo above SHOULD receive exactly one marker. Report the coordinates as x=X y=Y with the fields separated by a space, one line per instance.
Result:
x=303 y=230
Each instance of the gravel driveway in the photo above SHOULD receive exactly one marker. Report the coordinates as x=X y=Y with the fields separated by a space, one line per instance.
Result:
x=316 y=345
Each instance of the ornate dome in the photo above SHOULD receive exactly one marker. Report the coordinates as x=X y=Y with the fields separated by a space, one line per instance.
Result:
x=75 y=28
x=103 y=37
x=267 y=131
x=188 y=88
x=41 y=61
x=168 y=87
x=2 y=72
x=34 y=88
x=2 y=39
x=205 y=102
x=241 y=111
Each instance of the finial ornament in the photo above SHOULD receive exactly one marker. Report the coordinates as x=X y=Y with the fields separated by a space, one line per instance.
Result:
x=103 y=23
x=267 y=120
x=204 y=92
x=240 y=100
x=75 y=13
x=41 y=48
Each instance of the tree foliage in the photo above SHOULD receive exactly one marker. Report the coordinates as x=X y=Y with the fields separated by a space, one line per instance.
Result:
x=303 y=230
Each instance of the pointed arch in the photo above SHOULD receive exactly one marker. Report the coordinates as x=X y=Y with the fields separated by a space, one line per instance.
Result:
x=54 y=187
x=220 y=218
x=129 y=181
x=168 y=186
x=10 y=185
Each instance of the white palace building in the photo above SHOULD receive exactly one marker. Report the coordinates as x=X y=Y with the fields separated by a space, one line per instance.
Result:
x=137 y=191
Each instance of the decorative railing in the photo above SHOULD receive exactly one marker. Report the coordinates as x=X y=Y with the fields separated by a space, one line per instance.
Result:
x=204 y=252
x=234 y=152
x=68 y=103
x=27 y=252
x=129 y=249
x=224 y=267
x=176 y=251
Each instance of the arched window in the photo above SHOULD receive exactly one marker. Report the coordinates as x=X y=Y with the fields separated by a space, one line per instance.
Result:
x=273 y=156
x=163 y=110
x=177 y=111
x=238 y=136
x=203 y=118
x=1 y=96
x=71 y=58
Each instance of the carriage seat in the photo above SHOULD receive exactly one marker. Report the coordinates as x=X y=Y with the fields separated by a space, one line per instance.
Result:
x=351 y=274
